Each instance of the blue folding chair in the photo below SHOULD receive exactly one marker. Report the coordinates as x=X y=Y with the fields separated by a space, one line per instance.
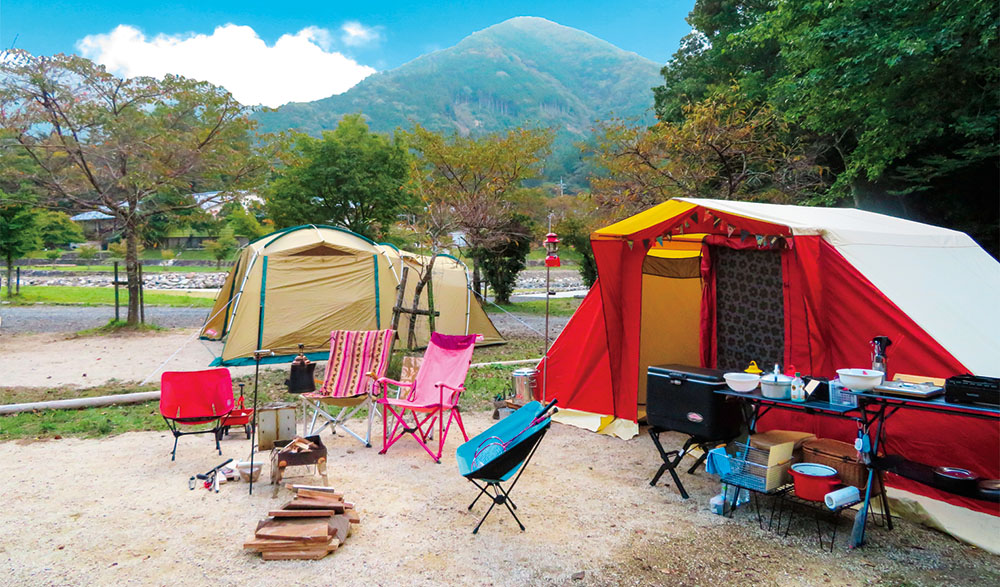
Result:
x=502 y=451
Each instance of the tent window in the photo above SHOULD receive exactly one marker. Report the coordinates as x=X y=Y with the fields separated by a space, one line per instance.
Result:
x=321 y=251
x=750 y=308
x=682 y=268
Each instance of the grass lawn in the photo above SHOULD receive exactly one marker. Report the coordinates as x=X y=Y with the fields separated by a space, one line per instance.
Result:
x=482 y=385
x=105 y=296
x=557 y=307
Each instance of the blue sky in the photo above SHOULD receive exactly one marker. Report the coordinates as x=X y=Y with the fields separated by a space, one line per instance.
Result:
x=350 y=39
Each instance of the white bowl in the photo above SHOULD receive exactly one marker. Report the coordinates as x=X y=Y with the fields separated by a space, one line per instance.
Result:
x=742 y=382
x=860 y=379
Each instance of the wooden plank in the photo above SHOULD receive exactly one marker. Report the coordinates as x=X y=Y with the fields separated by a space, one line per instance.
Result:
x=319 y=494
x=340 y=528
x=301 y=513
x=286 y=545
x=260 y=544
x=300 y=529
x=321 y=488
x=352 y=516
x=281 y=555
x=309 y=503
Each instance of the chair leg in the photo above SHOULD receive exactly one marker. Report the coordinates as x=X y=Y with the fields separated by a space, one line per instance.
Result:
x=217 y=435
x=173 y=453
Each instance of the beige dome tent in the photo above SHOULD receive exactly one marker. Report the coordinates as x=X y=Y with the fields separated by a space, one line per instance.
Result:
x=294 y=286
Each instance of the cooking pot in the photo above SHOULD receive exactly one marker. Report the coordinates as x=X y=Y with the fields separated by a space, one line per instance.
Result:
x=775 y=386
x=813 y=481
x=956 y=480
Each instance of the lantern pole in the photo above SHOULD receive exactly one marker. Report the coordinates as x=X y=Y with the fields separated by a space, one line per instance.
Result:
x=551 y=260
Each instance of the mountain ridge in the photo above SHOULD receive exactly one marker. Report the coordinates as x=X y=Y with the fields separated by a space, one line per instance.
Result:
x=525 y=71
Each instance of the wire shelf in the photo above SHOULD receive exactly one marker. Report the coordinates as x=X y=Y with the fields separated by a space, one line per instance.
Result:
x=748 y=469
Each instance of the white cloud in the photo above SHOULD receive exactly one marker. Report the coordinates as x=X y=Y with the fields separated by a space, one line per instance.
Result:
x=355 y=34
x=297 y=68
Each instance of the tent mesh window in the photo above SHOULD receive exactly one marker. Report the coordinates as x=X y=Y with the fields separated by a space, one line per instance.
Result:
x=750 y=308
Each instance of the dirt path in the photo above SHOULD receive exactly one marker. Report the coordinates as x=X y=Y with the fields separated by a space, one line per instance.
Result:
x=118 y=511
x=53 y=360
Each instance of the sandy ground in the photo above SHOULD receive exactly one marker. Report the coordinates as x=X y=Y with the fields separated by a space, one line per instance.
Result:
x=52 y=360
x=118 y=511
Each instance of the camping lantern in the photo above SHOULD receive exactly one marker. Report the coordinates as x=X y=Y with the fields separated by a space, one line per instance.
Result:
x=551 y=246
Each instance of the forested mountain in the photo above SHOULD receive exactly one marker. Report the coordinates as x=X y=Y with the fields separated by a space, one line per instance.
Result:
x=524 y=71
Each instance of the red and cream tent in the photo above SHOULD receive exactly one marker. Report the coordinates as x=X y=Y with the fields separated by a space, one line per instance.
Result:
x=685 y=281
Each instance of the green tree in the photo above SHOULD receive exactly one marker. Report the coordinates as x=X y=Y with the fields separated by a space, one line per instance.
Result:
x=906 y=90
x=56 y=229
x=18 y=233
x=898 y=98
x=724 y=148
x=574 y=231
x=101 y=142
x=223 y=247
x=350 y=177
x=87 y=253
x=53 y=255
x=244 y=223
x=464 y=183
x=501 y=264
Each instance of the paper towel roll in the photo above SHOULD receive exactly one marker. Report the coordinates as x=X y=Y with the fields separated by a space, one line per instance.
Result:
x=841 y=497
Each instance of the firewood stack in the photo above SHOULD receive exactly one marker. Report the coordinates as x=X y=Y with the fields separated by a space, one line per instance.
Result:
x=315 y=523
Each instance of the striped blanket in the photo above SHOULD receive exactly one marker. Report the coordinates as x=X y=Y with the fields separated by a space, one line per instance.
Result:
x=354 y=355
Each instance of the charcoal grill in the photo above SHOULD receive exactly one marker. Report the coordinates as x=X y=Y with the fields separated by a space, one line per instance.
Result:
x=682 y=398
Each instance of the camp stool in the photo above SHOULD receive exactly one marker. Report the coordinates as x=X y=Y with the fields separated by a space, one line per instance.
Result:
x=503 y=450
x=191 y=398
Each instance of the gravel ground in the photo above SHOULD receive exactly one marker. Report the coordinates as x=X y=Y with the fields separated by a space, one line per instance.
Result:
x=118 y=511
x=42 y=318
x=39 y=319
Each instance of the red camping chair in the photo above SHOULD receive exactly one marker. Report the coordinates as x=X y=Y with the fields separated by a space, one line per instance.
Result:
x=191 y=398
x=439 y=382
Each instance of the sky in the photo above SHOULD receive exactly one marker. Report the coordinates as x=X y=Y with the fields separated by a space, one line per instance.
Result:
x=274 y=52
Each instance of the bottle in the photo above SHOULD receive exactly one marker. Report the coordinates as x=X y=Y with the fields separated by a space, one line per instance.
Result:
x=798 y=388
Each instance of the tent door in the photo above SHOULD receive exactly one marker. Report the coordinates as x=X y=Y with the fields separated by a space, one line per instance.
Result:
x=750 y=308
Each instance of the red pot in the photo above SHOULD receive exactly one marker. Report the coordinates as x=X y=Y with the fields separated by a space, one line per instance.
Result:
x=813 y=481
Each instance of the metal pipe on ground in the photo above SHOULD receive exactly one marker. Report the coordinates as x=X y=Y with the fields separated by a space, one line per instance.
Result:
x=145 y=396
x=82 y=402
x=492 y=363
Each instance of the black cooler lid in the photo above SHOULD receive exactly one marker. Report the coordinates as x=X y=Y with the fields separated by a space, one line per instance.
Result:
x=687 y=372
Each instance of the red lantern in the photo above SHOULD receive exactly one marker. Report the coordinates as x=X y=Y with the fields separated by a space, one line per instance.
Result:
x=551 y=246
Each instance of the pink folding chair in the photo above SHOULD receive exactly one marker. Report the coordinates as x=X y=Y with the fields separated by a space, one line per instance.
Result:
x=191 y=398
x=436 y=389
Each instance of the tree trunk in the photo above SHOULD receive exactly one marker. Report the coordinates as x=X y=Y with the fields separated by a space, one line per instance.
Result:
x=477 y=280
x=132 y=271
x=411 y=339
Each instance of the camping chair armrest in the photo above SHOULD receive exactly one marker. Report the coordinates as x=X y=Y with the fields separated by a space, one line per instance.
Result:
x=385 y=382
x=455 y=391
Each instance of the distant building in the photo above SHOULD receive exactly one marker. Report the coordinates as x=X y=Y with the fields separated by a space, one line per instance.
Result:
x=96 y=225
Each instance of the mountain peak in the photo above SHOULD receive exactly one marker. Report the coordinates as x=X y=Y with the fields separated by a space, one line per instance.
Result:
x=525 y=71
